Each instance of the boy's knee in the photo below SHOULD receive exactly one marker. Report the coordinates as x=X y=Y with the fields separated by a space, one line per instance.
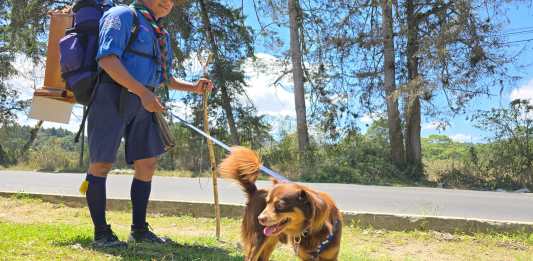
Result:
x=100 y=169
x=146 y=165
x=145 y=168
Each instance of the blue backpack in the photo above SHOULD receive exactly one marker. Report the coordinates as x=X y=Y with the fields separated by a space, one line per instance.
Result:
x=79 y=46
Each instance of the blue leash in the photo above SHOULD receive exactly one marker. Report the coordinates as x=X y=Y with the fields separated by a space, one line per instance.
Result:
x=228 y=149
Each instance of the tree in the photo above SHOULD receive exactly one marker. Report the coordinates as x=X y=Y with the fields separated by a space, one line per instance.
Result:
x=202 y=26
x=463 y=57
x=298 y=77
x=392 y=94
x=413 y=115
x=219 y=70
x=444 y=50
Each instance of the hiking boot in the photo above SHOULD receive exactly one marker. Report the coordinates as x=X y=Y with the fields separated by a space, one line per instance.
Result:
x=145 y=235
x=105 y=238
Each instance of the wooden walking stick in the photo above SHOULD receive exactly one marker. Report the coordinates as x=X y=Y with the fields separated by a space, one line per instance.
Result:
x=211 y=152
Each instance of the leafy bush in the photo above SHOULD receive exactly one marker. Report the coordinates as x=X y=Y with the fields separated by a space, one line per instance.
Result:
x=52 y=158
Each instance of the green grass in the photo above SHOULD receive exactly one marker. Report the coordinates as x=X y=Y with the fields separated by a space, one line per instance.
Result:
x=61 y=241
x=34 y=230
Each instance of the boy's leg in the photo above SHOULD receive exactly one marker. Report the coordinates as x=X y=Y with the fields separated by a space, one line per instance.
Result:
x=96 y=200
x=105 y=130
x=96 y=192
x=140 y=194
x=143 y=146
x=140 y=190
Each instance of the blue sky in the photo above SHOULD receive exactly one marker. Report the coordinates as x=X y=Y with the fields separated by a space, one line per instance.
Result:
x=518 y=18
x=278 y=102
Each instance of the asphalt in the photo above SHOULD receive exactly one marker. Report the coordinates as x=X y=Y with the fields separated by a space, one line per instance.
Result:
x=412 y=201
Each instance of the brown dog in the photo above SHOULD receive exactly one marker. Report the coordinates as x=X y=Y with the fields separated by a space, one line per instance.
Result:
x=287 y=213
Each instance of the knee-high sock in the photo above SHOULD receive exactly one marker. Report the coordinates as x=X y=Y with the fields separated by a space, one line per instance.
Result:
x=96 y=199
x=140 y=193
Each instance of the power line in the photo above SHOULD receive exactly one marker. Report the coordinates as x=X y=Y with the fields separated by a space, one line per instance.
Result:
x=519 y=41
x=518 y=32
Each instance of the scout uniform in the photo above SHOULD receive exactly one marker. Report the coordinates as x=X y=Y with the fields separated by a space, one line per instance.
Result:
x=116 y=113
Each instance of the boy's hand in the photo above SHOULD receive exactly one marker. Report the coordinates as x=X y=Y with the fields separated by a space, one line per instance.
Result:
x=151 y=103
x=203 y=85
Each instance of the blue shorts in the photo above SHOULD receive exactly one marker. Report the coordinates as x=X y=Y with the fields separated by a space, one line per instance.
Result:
x=107 y=126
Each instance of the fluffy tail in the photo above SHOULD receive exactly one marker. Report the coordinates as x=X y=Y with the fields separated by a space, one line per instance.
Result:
x=242 y=165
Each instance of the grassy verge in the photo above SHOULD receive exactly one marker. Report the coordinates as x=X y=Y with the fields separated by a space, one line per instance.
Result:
x=35 y=230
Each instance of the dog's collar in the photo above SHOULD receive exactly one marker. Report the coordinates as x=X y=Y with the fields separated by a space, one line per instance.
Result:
x=323 y=245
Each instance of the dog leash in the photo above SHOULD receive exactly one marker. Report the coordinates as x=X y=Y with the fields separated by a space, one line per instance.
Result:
x=228 y=149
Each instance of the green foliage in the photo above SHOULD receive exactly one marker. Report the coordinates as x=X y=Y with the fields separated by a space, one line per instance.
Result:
x=283 y=157
x=512 y=142
x=441 y=147
x=13 y=137
x=505 y=162
x=356 y=159
x=52 y=157
x=53 y=150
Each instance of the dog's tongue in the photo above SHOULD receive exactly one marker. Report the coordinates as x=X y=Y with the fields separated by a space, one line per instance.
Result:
x=269 y=231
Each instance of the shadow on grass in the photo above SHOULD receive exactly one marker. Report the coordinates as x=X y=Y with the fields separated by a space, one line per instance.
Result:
x=174 y=251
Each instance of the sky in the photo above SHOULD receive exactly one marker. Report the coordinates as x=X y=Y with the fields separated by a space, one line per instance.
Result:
x=518 y=19
x=278 y=101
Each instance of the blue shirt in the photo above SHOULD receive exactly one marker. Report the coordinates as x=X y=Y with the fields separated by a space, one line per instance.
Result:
x=115 y=31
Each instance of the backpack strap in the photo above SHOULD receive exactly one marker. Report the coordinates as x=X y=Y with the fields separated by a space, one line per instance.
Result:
x=134 y=29
x=133 y=37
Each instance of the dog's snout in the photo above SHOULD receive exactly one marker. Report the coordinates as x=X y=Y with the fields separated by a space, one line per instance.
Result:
x=262 y=219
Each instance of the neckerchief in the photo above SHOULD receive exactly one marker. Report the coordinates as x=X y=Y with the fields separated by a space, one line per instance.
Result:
x=162 y=35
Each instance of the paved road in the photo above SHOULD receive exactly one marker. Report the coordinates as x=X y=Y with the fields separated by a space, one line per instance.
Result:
x=501 y=206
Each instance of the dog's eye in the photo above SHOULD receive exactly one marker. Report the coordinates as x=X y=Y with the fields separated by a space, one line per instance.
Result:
x=280 y=205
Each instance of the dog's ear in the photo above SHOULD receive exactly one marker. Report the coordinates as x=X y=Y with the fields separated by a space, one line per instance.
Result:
x=318 y=206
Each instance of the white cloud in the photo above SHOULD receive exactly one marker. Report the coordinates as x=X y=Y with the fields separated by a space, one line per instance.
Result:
x=462 y=138
x=269 y=97
x=369 y=118
x=523 y=92
x=434 y=125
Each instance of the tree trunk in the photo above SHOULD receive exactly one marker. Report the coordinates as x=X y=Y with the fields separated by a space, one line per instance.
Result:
x=393 y=114
x=4 y=161
x=413 y=145
x=298 y=77
x=226 y=101
x=33 y=136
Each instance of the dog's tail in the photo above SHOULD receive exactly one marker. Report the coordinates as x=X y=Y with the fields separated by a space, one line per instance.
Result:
x=243 y=166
